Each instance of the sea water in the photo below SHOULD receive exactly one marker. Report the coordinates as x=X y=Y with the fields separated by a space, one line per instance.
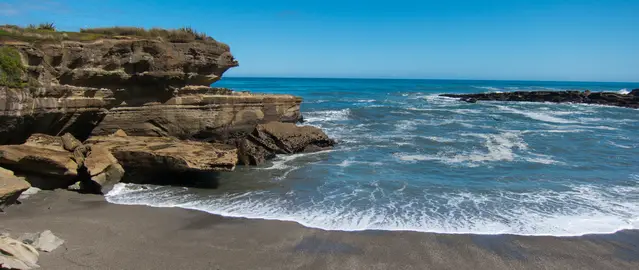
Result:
x=408 y=159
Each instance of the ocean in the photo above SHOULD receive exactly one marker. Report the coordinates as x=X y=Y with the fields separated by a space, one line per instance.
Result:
x=410 y=160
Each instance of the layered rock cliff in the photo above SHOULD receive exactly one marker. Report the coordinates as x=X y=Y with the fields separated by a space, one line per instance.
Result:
x=143 y=86
x=146 y=87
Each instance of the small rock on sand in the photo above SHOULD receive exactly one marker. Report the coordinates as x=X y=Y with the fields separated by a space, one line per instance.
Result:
x=45 y=241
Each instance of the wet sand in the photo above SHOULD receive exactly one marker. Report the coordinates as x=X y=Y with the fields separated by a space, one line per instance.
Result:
x=100 y=235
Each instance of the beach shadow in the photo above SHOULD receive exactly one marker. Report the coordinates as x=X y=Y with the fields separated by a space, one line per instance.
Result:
x=317 y=245
x=207 y=221
x=203 y=180
x=625 y=244
x=502 y=245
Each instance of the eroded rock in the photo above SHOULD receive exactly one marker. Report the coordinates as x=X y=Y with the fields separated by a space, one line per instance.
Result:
x=103 y=169
x=45 y=241
x=146 y=87
x=167 y=154
x=273 y=138
x=630 y=100
x=46 y=168
x=69 y=142
x=11 y=187
x=16 y=255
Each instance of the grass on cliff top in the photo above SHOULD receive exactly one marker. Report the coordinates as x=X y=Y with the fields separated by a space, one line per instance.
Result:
x=11 y=68
x=47 y=33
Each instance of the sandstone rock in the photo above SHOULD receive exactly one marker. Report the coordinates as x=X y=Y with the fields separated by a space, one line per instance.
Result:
x=45 y=241
x=146 y=87
x=56 y=167
x=604 y=98
x=17 y=255
x=280 y=138
x=45 y=141
x=69 y=142
x=167 y=154
x=11 y=187
x=104 y=170
x=119 y=133
x=80 y=153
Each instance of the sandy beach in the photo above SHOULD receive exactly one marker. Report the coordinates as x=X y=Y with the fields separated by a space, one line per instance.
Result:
x=100 y=235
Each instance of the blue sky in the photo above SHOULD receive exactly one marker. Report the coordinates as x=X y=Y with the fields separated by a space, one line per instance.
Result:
x=583 y=40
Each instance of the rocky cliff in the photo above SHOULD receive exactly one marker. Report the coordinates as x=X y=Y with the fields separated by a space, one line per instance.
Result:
x=141 y=85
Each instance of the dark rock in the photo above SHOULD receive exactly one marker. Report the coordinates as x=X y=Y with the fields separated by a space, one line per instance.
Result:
x=604 y=98
x=273 y=138
x=634 y=92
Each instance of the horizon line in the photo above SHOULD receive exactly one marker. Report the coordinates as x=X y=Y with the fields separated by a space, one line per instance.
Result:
x=425 y=79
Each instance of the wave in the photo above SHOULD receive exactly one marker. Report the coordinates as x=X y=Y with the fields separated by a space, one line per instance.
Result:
x=623 y=91
x=327 y=116
x=489 y=88
x=497 y=147
x=583 y=209
x=540 y=116
x=281 y=161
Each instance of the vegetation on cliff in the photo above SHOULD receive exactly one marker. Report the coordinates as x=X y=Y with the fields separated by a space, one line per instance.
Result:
x=11 y=67
x=46 y=32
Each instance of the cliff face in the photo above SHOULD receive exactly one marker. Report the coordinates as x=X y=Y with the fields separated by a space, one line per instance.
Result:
x=144 y=86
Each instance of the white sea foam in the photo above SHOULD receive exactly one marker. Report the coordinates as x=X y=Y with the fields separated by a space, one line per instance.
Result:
x=540 y=116
x=489 y=88
x=439 y=139
x=620 y=145
x=327 y=116
x=623 y=91
x=497 y=147
x=349 y=162
x=281 y=162
x=582 y=210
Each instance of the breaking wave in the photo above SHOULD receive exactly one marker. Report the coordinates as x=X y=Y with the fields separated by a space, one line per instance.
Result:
x=409 y=159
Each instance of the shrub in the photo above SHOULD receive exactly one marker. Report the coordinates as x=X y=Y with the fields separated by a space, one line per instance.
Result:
x=46 y=26
x=184 y=34
x=11 y=67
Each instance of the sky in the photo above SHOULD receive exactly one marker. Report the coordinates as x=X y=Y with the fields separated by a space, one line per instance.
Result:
x=575 y=40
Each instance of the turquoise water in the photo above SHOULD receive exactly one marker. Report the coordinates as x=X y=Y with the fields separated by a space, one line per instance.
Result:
x=410 y=160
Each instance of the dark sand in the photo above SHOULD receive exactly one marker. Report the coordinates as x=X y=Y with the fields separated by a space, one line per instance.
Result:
x=100 y=235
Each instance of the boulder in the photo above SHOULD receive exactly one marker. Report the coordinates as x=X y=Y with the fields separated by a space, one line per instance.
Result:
x=11 y=187
x=45 y=141
x=45 y=241
x=166 y=154
x=17 y=255
x=56 y=168
x=634 y=92
x=119 y=133
x=103 y=169
x=69 y=142
x=273 y=138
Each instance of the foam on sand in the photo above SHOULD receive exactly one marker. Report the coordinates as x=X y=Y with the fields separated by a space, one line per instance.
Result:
x=585 y=209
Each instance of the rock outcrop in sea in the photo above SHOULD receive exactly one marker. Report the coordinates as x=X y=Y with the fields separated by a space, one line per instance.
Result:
x=630 y=100
x=139 y=100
